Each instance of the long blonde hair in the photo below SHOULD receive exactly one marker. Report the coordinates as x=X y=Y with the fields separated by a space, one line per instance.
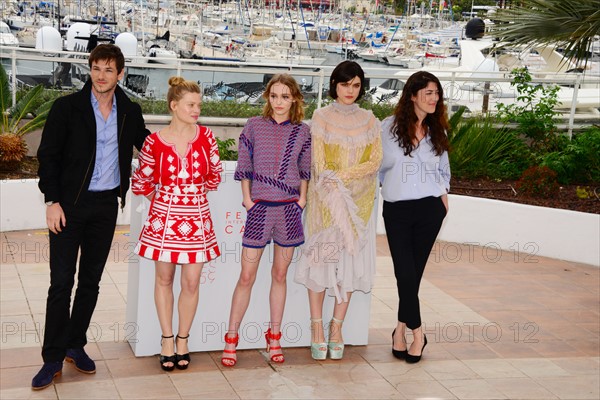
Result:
x=178 y=87
x=297 y=110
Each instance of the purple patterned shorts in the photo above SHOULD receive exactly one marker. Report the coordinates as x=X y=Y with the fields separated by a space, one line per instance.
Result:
x=268 y=220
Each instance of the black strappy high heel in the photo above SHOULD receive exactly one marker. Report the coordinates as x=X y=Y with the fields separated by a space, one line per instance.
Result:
x=182 y=357
x=166 y=359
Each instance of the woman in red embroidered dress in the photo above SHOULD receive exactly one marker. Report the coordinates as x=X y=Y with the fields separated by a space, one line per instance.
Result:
x=178 y=166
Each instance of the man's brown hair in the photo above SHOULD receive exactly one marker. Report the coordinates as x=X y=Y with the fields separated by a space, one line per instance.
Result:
x=108 y=53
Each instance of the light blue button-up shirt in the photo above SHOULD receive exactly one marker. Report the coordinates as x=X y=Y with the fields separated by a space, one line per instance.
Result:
x=422 y=174
x=106 y=174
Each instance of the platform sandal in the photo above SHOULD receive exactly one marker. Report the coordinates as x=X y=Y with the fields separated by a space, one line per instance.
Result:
x=230 y=361
x=318 y=351
x=166 y=359
x=182 y=357
x=277 y=358
x=336 y=350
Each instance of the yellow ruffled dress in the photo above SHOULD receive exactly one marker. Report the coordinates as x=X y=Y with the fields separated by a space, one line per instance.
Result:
x=340 y=222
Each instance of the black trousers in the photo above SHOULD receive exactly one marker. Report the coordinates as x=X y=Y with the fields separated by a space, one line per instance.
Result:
x=411 y=227
x=90 y=227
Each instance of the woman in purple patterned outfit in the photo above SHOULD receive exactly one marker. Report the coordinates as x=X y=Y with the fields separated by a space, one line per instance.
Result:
x=274 y=169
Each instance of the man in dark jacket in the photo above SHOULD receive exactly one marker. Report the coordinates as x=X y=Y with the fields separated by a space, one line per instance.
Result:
x=85 y=163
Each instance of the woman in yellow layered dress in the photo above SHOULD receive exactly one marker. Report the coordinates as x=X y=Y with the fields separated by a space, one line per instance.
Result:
x=339 y=253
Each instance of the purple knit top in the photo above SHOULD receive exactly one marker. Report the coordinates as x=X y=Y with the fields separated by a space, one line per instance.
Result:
x=275 y=157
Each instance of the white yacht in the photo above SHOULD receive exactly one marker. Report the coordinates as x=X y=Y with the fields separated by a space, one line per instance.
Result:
x=6 y=36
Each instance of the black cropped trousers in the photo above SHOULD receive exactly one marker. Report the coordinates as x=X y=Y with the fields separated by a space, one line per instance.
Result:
x=411 y=227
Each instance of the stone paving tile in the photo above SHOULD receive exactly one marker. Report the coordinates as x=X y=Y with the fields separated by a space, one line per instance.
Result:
x=476 y=389
x=502 y=329
x=521 y=388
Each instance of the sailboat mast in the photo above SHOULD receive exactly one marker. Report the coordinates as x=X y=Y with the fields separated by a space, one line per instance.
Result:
x=390 y=41
x=304 y=24
x=143 y=27
x=406 y=27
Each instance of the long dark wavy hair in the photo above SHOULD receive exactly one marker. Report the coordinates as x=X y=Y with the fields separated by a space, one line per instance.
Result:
x=405 y=119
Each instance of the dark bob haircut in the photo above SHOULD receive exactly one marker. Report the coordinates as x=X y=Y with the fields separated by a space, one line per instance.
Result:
x=344 y=72
x=108 y=53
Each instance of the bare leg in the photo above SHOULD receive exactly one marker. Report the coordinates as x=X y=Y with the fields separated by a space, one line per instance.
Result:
x=282 y=258
x=188 y=303
x=400 y=337
x=339 y=313
x=242 y=292
x=163 y=298
x=315 y=300
x=418 y=341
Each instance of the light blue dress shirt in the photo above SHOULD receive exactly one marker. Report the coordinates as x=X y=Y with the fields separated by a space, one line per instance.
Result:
x=106 y=174
x=420 y=175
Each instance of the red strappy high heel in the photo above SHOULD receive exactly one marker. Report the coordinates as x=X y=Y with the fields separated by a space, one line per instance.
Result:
x=278 y=358
x=229 y=361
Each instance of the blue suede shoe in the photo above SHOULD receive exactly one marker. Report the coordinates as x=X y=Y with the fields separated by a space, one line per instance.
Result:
x=46 y=375
x=83 y=363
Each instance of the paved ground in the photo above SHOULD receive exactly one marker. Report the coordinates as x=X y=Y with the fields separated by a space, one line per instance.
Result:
x=500 y=325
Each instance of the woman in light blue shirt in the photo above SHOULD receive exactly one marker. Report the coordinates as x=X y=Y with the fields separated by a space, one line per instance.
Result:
x=415 y=178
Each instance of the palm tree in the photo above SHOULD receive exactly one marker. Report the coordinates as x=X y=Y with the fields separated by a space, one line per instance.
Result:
x=571 y=25
x=13 y=126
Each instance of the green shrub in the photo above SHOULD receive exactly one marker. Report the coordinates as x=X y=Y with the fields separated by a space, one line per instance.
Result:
x=479 y=149
x=227 y=150
x=230 y=108
x=233 y=109
x=380 y=110
x=309 y=110
x=534 y=111
x=577 y=160
x=152 y=106
x=226 y=108
x=48 y=95
x=538 y=182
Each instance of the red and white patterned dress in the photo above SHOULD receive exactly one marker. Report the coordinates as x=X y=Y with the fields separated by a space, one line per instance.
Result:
x=179 y=228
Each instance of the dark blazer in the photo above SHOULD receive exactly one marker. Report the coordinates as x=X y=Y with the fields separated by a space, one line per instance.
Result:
x=67 y=151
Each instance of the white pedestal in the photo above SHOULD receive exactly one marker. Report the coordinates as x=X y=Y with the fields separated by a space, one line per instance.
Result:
x=218 y=281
